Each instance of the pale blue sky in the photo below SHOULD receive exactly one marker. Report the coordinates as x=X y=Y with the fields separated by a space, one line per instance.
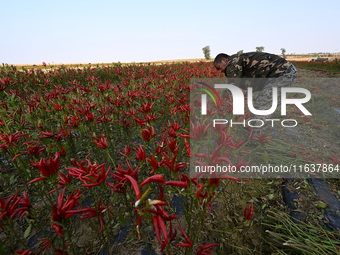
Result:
x=96 y=31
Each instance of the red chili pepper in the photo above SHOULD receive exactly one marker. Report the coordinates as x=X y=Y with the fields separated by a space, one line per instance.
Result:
x=207 y=246
x=140 y=151
x=248 y=211
x=153 y=163
x=201 y=155
x=185 y=245
x=199 y=191
x=156 y=226
x=216 y=152
x=177 y=184
x=225 y=159
x=139 y=222
x=172 y=232
x=147 y=134
x=134 y=185
x=37 y=179
x=161 y=192
x=246 y=152
x=229 y=177
x=155 y=178
x=187 y=147
x=185 y=136
x=188 y=243
x=58 y=229
x=162 y=226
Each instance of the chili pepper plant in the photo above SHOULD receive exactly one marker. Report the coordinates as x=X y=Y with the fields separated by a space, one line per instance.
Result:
x=87 y=153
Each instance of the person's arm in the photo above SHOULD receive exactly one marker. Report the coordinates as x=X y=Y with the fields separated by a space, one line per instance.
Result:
x=234 y=69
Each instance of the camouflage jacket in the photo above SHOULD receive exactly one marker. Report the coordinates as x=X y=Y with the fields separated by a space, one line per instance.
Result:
x=255 y=65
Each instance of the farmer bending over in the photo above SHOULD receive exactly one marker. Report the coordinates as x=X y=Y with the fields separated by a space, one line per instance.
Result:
x=279 y=71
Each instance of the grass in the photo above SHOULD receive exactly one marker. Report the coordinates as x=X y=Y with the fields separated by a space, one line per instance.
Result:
x=300 y=238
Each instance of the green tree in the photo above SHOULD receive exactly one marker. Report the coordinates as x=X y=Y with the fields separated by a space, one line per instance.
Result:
x=239 y=52
x=283 y=52
x=259 y=49
x=206 y=52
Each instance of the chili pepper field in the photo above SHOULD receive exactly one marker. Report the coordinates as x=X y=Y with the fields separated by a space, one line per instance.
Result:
x=94 y=160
